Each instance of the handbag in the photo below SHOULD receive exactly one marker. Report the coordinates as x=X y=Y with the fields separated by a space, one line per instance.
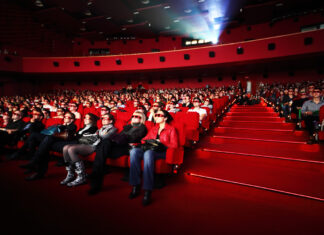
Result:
x=50 y=130
x=154 y=145
x=88 y=139
x=64 y=135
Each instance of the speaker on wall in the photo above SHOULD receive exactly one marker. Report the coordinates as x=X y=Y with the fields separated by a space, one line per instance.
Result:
x=186 y=56
x=56 y=64
x=162 y=58
x=140 y=60
x=118 y=62
x=271 y=46
x=240 y=50
x=212 y=54
x=308 y=41
x=76 y=63
x=97 y=63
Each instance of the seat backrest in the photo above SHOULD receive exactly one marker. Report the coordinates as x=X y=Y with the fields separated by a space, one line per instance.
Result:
x=321 y=114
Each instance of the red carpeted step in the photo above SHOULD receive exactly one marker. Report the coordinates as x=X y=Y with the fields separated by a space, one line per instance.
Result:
x=297 y=177
x=253 y=118
x=250 y=110
x=262 y=135
x=261 y=114
x=258 y=125
x=265 y=149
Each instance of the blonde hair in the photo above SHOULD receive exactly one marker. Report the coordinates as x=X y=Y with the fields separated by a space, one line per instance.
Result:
x=143 y=117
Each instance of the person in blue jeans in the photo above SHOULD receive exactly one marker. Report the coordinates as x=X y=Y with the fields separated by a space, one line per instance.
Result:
x=166 y=135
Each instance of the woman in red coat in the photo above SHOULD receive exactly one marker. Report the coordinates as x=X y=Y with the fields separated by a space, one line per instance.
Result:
x=162 y=133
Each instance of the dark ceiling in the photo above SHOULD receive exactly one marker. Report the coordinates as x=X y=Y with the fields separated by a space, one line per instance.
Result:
x=102 y=19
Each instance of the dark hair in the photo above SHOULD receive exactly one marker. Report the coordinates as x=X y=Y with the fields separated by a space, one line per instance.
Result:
x=72 y=114
x=93 y=118
x=167 y=115
x=105 y=107
x=111 y=117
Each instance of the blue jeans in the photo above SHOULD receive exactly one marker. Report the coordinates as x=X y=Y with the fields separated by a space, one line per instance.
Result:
x=149 y=157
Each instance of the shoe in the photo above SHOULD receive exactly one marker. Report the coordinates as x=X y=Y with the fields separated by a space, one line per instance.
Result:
x=135 y=192
x=147 y=199
x=28 y=165
x=35 y=176
x=311 y=140
x=70 y=175
x=13 y=156
x=28 y=171
x=81 y=175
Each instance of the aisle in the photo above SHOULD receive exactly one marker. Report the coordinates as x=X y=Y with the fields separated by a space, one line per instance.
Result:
x=253 y=145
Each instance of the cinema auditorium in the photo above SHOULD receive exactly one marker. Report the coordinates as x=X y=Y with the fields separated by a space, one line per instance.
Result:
x=162 y=117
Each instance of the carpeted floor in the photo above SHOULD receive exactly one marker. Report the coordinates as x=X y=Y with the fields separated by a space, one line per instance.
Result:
x=188 y=204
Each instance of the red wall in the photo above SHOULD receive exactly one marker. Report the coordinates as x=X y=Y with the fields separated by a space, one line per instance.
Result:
x=286 y=46
x=22 y=84
x=81 y=46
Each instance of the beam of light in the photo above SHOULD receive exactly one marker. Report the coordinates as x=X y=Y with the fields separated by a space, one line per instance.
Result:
x=204 y=20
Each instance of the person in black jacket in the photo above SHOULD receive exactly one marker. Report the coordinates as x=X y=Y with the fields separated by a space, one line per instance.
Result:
x=11 y=133
x=116 y=146
x=35 y=125
x=39 y=161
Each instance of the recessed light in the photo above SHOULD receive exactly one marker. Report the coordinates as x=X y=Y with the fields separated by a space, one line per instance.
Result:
x=108 y=18
x=149 y=24
x=187 y=11
x=176 y=21
x=83 y=29
x=130 y=21
x=136 y=12
x=84 y=22
x=100 y=32
x=200 y=1
x=123 y=29
x=166 y=7
x=167 y=27
x=90 y=3
x=145 y=1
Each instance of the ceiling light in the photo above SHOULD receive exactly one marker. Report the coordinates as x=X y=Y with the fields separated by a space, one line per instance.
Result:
x=108 y=18
x=200 y=1
x=201 y=41
x=176 y=21
x=136 y=12
x=83 y=29
x=241 y=10
x=100 y=32
x=149 y=24
x=123 y=29
x=188 y=42
x=90 y=3
x=194 y=42
x=84 y=22
x=145 y=1
x=130 y=21
x=167 y=27
x=187 y=11
x=166 y=7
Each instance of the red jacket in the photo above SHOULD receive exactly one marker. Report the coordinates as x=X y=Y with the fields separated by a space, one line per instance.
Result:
x=168 y=136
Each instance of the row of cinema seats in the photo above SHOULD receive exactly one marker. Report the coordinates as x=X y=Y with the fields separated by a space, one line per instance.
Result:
x=186 y=124
x=296 y=119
